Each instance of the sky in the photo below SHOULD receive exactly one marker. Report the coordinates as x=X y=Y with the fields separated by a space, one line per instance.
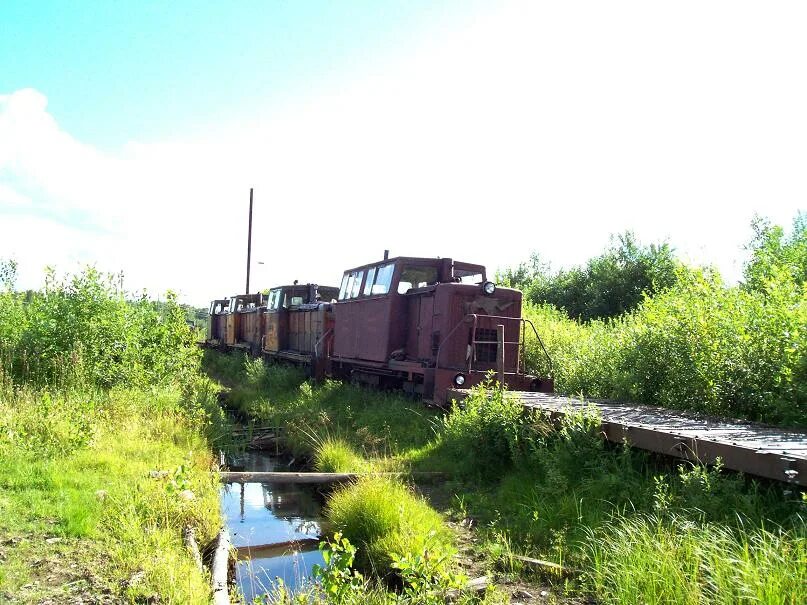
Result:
x=132 y=132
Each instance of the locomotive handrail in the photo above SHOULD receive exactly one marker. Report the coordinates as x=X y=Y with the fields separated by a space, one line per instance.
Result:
x=440 y=347
x=474 y=317
x=540 y=342
x=325 y=334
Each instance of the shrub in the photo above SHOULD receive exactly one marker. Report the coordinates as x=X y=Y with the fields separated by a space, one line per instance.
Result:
x=480 y=435
x=82 y=331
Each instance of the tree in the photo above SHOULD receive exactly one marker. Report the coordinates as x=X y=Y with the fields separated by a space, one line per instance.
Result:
x=607 y=286
x=773 y=252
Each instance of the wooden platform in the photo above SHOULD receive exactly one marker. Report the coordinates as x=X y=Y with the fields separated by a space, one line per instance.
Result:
x=748 y=447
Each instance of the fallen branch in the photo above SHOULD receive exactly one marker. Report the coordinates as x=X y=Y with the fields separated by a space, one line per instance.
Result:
x=221 y=564
x=189 y=538
x=546 y=566
x=286 y=477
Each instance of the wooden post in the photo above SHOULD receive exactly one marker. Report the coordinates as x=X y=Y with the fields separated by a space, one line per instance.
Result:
x=500 y=354
x=249 y=239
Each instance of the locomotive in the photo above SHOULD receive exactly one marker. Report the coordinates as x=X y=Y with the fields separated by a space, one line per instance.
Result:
x=424 y=325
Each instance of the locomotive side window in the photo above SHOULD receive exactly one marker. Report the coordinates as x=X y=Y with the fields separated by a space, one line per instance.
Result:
x=383 y=279
x=368 y=285
x=351 y=285
x=416 y=277
x=343 y=287
x=355 y=290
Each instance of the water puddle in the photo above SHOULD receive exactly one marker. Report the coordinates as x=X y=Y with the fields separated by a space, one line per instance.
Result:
x=275 y=529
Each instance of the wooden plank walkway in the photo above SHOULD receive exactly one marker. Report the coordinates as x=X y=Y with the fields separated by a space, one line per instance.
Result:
x=748 y=447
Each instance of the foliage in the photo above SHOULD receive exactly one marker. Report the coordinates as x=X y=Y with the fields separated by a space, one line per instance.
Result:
x=486 y=423
x=651 y=559
x=322 y=421
x=81 y=330
x=773 y=252
x=334 y=455
x=610 y=284
x=66 y=472
x=699 y=345
x=427 y=575
x=337 y=580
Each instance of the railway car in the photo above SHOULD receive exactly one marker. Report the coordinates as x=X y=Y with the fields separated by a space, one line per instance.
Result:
x=217 y=322
x=427 y=325
x=245 y=323
x=296 y=320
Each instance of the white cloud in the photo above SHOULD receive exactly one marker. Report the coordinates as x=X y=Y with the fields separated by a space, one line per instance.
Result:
x=535 y=126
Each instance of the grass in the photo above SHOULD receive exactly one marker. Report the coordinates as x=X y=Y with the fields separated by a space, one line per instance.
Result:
x=334 y=455
x=386 y=521
x=555 y=492
x=658 y=559
x=77 y=492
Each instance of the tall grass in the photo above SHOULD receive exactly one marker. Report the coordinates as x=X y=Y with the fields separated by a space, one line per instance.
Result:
x=700 y=345
x=97 y=390
x=387 y=522
x=653 y=559
x=66 y=471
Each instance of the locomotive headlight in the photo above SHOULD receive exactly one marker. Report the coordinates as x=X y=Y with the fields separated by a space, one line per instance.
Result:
x=488 y=287
x=459 y=380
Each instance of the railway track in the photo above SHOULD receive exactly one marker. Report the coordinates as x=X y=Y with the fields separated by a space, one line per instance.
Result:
x=748 y=447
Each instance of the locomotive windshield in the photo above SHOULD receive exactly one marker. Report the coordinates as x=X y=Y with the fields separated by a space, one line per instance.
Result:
x=275 y=299
x=416 y=276
x=351 y=285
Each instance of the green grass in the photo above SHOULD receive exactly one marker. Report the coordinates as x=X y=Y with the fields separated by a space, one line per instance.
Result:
x=534 y=487
x=659 y=559
x=76 y=467
x=335 y=455
x=386 y=521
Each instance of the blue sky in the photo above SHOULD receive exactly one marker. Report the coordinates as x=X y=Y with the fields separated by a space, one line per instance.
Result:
x=117 y=71
x=131 y=132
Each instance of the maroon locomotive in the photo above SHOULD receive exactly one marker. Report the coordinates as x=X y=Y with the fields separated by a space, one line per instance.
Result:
x=425 y=325
x=428 y=325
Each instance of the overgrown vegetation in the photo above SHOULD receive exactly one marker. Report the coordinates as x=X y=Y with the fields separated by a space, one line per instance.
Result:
x=609 y=285
x=104 y=456
x=534 y=488
x=700 y=344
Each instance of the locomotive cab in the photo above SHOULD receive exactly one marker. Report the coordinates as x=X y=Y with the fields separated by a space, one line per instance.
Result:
x=428 y=324
x=244 y=327
x=296 y=319
x=216 y=322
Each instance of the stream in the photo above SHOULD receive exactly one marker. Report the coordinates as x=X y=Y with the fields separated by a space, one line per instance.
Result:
x=274 y=528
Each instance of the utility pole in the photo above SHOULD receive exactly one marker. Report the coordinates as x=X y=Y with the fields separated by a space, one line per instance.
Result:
x=249 y=239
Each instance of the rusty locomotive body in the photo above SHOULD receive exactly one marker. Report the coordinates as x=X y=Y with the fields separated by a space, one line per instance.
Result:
x=424 y=325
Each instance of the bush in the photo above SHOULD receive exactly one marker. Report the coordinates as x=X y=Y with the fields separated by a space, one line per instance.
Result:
x=700 y=346
x=478 y=437
x=82 y=331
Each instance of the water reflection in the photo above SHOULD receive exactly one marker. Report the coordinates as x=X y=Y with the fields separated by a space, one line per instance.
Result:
x=275 y=529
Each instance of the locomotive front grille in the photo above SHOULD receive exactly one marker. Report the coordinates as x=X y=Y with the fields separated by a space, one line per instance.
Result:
x=486 y=345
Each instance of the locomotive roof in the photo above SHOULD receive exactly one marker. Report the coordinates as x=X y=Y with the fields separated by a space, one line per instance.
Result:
x=418 y=260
